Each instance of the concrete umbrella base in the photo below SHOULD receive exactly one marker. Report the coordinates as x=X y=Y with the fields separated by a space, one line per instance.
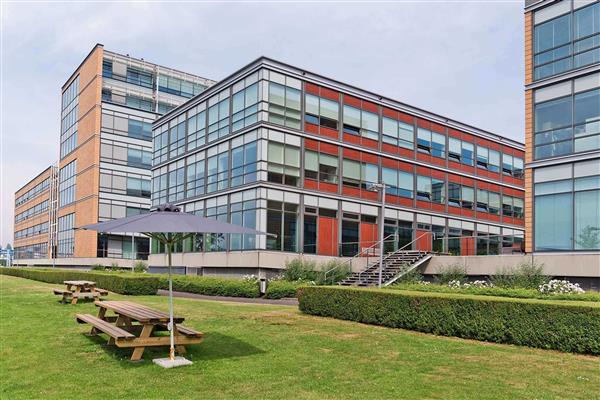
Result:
x=168 y=363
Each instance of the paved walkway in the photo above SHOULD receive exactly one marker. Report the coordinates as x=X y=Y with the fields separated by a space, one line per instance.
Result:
x=281 y=302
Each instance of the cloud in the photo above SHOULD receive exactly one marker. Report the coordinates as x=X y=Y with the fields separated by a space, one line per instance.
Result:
x=461 y=60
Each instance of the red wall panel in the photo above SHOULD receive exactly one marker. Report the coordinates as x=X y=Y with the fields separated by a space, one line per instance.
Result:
x=327 y=237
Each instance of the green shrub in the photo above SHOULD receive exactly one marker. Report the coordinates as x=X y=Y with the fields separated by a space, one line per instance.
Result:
x=125 y=283
x=98 y=267
x=527 y=275
x=299 y=269
x=279 y=289
x=565 y=326
x=519 y=293
x=140 y=266
x=413 y=276
x=451 y=272
x=210 y=286
x=336 y=271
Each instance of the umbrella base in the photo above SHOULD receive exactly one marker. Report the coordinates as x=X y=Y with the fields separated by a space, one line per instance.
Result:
x=168 y=363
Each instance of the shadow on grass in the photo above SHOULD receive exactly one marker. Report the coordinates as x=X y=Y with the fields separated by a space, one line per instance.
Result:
x=215 y=346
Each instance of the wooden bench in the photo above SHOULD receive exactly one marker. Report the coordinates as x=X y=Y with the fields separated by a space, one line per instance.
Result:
x=101 y=292
x=104 y=326
x=69 y=296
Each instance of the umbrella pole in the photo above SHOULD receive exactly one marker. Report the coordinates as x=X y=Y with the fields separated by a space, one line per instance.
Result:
x=172 y=326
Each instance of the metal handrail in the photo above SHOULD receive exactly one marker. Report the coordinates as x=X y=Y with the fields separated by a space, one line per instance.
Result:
x=357 y=255
x=397 y=251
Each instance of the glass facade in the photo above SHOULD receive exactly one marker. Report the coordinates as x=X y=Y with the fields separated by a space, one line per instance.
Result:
x=567 y=42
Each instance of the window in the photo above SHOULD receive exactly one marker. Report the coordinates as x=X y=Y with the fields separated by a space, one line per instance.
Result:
x=587 y=120
x=557 y=50
x=488 y=159
x=460 y=196
x=553 y=131
x=30 y=212
x=283 y=163
x=33 y=192
x=138 y=187
x=512 y=206
x=66 y=236
x=196 y=130
x=320 y=166
x=321 y=111
x=177 y=140
x=243 y=164
x=195 y=175
x=512 y=165
x=553 y=226
x=161 y=145
x=139 y=129
x=66 y=185
x=460 y=151
x=243 y=213
x=217 y=169
x=431 y=189
x=244 y=107
x=179 y=87
x=284 y=105
x=398 y=133
x=175 y=189
x=587 y=213
x=361 y=122
x=398 y=183
x=282 y=221
x=218 y=120
x=69 y=117
x=350 y=240
x=159 y=186
x=552 y=47
x=139 y=158
x=216 y=241
x=139 y=103
x=140 y=77
x=357 y=174
x=431 y=143
x=310 y=231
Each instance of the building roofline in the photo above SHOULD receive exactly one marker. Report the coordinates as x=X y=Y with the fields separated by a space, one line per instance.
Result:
x=62 y=88
x=340 y=86
x=34 y=178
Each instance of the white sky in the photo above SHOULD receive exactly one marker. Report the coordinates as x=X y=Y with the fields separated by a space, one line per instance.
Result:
x=463 y=60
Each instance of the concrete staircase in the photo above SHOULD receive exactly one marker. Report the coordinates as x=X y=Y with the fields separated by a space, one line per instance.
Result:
x=395 y=265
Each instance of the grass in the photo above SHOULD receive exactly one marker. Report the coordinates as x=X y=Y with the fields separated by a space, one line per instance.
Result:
x=263 y=351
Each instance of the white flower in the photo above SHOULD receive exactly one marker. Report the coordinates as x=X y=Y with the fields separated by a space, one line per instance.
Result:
x=557 y=286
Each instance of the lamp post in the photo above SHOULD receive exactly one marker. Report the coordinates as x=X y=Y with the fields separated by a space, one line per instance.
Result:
x=380 y=187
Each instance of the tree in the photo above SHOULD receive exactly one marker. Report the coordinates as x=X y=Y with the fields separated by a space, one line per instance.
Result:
x=589 y=238
x=8 y=246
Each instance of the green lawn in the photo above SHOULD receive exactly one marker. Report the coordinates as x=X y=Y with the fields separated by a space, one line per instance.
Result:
x=263 y=351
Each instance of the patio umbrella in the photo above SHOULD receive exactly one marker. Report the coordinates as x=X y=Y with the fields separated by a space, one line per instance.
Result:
x=168 y=225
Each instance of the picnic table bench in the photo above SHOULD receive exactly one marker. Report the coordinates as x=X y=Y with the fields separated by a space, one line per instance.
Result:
x=80 y=290
x=133 y=325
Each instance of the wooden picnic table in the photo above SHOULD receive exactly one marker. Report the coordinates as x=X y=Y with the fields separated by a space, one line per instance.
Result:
x=80 y=289
x=133 y=325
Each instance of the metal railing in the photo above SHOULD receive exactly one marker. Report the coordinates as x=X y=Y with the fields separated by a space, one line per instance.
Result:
x=393 y=253
x=366 y=250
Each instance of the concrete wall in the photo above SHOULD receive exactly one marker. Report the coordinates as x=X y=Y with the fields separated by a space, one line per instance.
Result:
x=75 y=262
x=566 y=264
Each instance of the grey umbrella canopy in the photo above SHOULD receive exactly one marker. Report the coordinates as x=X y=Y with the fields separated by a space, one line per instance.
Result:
x=169 y=226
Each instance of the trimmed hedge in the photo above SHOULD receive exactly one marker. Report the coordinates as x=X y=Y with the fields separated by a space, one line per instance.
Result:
x=123 y=283
x=211 y=286
x=497 y=291
x=280 y=289
x=559 y=325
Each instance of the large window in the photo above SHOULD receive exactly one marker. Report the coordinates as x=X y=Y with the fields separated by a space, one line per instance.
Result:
x=488 y=201
x=244 y=107
x=243 y=164
x=567 y=211
x=196 y=134
x=321 y=111
x=177 y=140
x=320 y=166
x=66 y=185
x=282 y=223
x=195 y=175
x=138 y=187
x=568 y=124
x=512 y=165
x=217 y=171
x=69 y=117
x=398 y=183
x=175 y=190
x=284 y=105
x=431 y=143
x=431 y=189
x=566 y=42
x=283 y=163
x=139 y=129
x=218 y=120
x=460 y=196
x=243 y=213
x=357 y=174
x=460 y=151
x=488 y=159
x=179 y=87
x=398 y=133
x=361 y=122
x=66 y=235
